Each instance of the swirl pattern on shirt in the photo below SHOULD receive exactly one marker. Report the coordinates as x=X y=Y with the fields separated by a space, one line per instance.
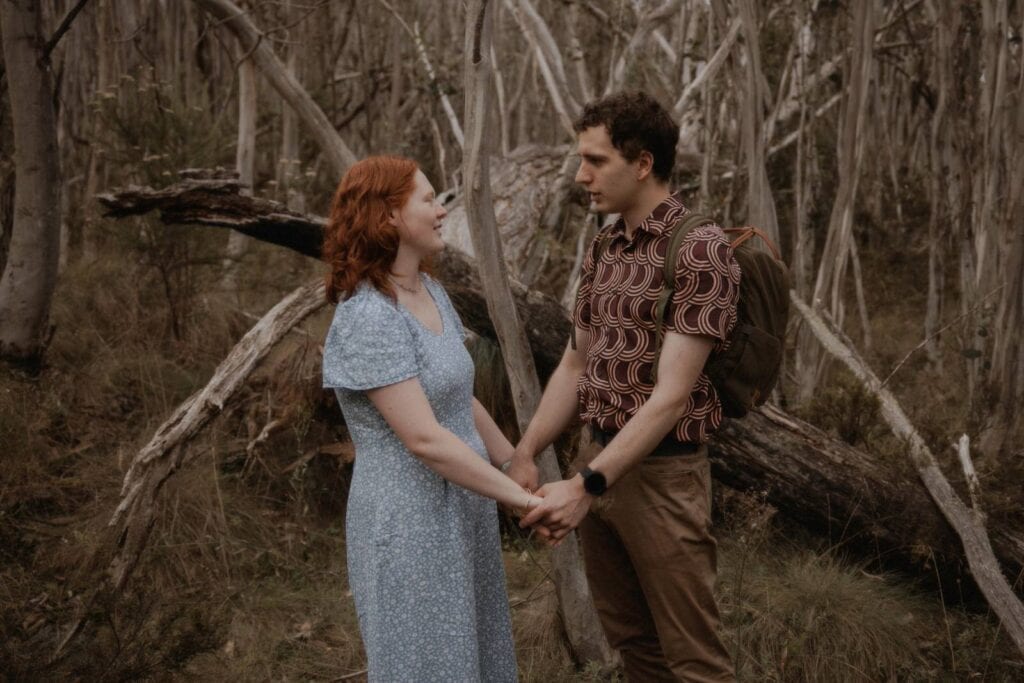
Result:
x=616 y=302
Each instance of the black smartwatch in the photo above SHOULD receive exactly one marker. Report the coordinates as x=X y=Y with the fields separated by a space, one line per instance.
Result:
x=594 y=483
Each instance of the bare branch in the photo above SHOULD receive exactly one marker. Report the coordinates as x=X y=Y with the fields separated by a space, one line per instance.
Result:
x=549 y=60
x=421 y=51
x=709 y=71
x=65 y=24
x=251 y=40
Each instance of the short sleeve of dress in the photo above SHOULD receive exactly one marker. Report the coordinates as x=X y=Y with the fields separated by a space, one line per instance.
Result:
x=369 y=344
x=707 y=286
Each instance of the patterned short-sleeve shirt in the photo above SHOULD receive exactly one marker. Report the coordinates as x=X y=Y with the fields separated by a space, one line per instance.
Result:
x=616 y=302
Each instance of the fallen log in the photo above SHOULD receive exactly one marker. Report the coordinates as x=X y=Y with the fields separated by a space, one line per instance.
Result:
x=217 y=202
x=863 y=505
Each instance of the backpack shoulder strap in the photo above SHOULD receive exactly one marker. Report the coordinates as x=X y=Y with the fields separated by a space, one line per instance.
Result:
x=744 y=234
x=680 y=230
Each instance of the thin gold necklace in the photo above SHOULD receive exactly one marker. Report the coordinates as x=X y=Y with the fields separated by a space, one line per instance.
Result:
x=411 y=290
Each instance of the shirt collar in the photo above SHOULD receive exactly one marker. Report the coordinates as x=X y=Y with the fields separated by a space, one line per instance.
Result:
x=663 y=217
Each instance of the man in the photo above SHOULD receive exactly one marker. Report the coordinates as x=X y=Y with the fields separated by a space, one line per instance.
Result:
x=649 y=553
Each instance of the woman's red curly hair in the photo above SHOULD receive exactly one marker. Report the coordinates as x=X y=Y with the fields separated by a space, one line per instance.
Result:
x=359 y=242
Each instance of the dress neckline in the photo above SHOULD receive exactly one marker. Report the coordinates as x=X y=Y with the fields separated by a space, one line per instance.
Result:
x=437 y=306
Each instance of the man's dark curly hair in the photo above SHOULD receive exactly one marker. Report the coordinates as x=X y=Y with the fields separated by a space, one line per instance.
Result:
x=635 y=122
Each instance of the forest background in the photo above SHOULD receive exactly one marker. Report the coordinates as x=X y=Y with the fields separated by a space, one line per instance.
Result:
x=879 y=143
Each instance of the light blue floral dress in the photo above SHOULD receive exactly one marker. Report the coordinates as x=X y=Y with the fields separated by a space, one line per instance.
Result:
x=424 y=555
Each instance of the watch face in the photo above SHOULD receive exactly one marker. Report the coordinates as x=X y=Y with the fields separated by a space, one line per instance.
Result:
x=594 y=483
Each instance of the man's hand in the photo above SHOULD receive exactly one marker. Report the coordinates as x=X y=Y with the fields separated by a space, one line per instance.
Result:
x=523 y=470
x=564 y=505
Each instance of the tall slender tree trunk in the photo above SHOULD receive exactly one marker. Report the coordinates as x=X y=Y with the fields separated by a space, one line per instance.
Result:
x=946 y=26
x=96 y=169
x=6 y=208
x=245 y=163
x=30 y=275
x=807 y=350
x=579 y=616
x=849 y=150
x=760 y=203
x=1007 y=373
x=288 y=164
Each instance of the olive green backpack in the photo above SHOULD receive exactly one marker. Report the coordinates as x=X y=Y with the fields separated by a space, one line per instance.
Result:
x=748 y=369
x=746 y=372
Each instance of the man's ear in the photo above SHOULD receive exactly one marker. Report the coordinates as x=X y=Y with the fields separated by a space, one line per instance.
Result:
x=644 y=165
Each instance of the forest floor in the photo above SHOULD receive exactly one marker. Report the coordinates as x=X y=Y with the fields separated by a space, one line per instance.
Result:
x=244 y=575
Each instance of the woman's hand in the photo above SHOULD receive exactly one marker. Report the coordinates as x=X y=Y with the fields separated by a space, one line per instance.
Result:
x=531 y=501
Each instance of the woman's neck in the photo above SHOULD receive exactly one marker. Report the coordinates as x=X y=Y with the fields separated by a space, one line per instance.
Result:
x=405 y=271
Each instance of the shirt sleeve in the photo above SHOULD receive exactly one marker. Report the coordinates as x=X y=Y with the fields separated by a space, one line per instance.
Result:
x=581 y=310
x=707 y=286
x=368 y=345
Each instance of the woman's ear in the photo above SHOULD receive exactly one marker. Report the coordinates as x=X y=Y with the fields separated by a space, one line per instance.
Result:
x=393 y=219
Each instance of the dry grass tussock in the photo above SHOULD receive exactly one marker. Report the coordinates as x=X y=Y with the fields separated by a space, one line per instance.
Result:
x=795 y=612
x=244 y=577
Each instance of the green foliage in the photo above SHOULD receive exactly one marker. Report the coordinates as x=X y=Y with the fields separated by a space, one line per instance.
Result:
x=150 y=129
x=846 y=408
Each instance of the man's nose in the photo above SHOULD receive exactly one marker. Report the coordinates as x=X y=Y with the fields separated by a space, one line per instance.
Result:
x=582 y=177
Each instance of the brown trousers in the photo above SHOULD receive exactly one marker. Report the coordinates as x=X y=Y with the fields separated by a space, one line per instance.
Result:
x=651 y=564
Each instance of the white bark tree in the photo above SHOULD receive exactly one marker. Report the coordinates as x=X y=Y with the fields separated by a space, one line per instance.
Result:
x=578 y=613
x=245 y=162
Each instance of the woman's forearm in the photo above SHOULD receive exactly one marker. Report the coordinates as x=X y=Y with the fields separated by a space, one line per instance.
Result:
x=450 y=457
x=405 y=408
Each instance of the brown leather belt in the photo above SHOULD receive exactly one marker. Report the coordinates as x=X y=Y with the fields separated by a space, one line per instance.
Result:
x=665 y=448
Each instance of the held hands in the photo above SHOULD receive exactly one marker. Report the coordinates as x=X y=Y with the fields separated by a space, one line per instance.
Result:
x=560 y=506
x=532 y=501
x=563 y=506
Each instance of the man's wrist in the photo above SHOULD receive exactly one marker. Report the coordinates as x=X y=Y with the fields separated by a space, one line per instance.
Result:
x=592 y=482
x=525 y=450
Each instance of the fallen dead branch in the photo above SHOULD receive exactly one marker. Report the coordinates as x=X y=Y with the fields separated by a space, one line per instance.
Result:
x=166 y=452
x=966 y=522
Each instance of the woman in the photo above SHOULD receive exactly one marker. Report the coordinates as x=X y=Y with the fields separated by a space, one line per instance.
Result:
x=424 y=555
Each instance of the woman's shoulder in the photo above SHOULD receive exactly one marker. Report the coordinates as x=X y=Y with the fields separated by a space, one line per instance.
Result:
x=366 y=311
x=365 y=299
x=368 y=343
